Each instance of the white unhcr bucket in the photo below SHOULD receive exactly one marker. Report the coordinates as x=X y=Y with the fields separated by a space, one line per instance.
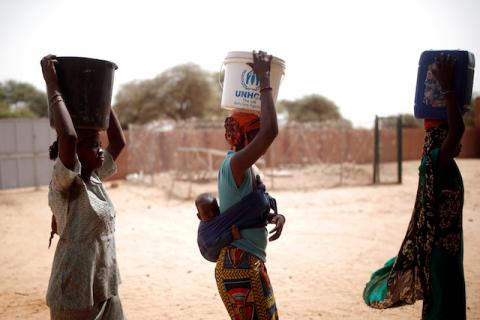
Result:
x=241 y=87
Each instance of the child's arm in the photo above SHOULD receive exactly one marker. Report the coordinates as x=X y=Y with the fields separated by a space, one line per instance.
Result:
x=66 y=135
x=116 y=138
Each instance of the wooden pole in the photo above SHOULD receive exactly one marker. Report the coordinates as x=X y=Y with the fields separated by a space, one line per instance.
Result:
x=376 y=152
x=399 y=148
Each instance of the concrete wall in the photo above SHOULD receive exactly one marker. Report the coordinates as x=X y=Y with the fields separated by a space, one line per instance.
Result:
x=24 y=160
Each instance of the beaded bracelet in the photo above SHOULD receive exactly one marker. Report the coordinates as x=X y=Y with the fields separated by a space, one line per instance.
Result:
x=55 y=99
x=265 y=88
x=55 y=96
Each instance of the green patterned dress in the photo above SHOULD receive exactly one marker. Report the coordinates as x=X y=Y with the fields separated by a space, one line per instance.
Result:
x=429 y=264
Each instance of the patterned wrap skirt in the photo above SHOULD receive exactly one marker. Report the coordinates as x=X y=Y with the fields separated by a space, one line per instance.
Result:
x=244 y=286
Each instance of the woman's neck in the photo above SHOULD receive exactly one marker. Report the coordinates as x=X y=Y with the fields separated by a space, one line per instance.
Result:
x=86 y=174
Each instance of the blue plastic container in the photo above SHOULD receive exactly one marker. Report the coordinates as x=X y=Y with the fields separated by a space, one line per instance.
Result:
x=429 y=101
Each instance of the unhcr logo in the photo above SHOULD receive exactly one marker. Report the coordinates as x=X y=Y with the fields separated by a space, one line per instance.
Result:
x=250 y=80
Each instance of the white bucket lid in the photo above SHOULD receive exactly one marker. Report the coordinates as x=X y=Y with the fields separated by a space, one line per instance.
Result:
x=247 y=55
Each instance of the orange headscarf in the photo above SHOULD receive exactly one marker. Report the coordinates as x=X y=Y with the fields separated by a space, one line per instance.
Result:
x=238 y=124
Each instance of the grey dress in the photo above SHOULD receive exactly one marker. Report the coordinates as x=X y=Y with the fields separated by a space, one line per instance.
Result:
x=84 y=279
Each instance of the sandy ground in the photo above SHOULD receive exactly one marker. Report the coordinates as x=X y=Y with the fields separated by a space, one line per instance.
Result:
x=334 y=238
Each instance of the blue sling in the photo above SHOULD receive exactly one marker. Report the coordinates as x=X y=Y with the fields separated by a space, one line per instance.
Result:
x=250 y=212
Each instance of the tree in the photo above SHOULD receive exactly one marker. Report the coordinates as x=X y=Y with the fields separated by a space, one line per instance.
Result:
x=214 y=111
x=134 y=103
x=20 y=99
x=180 y=93
x=283 y=106
x=184 y=92
x=311 y=108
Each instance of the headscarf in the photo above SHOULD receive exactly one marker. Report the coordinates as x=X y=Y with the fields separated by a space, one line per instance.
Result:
x=238 y=125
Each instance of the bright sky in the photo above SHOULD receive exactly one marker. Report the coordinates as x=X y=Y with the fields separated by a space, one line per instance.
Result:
x=363 y=55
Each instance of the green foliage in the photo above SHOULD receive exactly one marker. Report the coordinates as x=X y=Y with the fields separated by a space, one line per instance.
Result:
x=180 y=93
x=20 y=99
x=134 y=103
x=186 y=91
x=3 y=105
x=311 y=108
x=283 y=106
x=22 y=113
x=214 y=111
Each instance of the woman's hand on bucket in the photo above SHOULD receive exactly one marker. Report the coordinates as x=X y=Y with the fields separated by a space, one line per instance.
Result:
x=279 y=221
x=261 y=66
x=48 y=69
x=444 y=72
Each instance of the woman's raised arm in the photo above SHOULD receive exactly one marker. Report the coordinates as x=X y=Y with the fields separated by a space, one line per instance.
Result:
x=66 y=135
x=116 y=138
x=247 y=156
x=451 y=145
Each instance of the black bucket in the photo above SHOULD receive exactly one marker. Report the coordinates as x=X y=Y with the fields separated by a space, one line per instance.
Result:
x=86 y=86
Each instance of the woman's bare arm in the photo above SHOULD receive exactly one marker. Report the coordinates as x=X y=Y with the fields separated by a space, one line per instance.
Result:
x=66 y=135
x=116 y=138
x=245 y=158
x=456 y=127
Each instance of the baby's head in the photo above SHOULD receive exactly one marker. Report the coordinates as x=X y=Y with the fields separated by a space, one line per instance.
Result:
x=207 y=207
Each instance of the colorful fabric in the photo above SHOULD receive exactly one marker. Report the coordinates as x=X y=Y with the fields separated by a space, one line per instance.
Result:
x=244 y=286
x=250 y=212
x=253 y=240
x=435 y=226
x=237 y=126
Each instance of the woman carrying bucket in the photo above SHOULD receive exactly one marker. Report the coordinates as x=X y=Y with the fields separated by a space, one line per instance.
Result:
x=84 y=278
x=240 y=271
x=429 y=264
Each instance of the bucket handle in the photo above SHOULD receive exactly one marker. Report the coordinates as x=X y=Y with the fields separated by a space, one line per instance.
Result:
x=219 y=75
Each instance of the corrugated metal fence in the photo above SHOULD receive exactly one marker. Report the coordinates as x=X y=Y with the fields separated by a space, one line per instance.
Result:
x=24 y=158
